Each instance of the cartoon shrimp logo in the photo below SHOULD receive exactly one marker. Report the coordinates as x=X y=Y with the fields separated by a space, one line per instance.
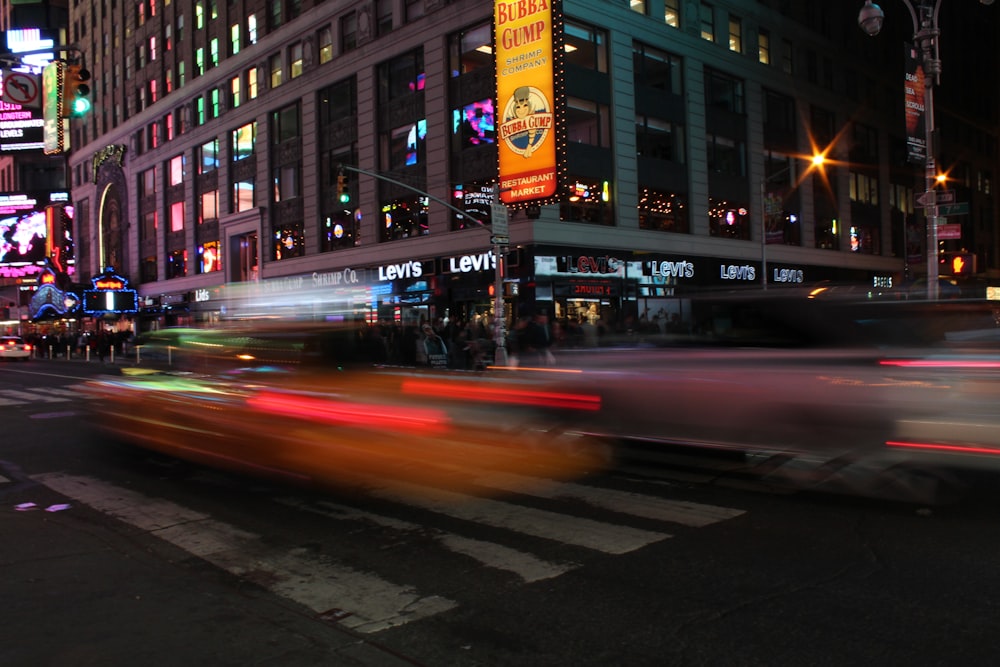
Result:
x=527 y=120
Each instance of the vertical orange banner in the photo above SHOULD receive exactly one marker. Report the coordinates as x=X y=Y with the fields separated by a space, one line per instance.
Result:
x=525 y=48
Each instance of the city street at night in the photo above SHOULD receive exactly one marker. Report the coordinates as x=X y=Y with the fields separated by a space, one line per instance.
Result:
x=116 y=555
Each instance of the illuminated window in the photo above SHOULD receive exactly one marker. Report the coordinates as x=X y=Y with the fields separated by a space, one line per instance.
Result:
x=208 y=156
x=209 y=257
x=735 y=34
x=177 y=216
x=295 y=60
x=252 y=28
x=199 y=15
x=234 y=91
x=672 y=13
x=234 y=38
x=638 y=6
x=707 y=16
x=277 y=77
x=199 y=61
x=243 y=195
x=176 y=170
x=252 y=83
x=244 y=141
x=586 y=47
x=213 y=48
x=208 y=209
x=470 y=50
x=474 y=124
x=764 y=47
x=325 y=45
x=152 y=48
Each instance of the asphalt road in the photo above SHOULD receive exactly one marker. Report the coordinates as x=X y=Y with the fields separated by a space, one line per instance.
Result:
x=126 y=558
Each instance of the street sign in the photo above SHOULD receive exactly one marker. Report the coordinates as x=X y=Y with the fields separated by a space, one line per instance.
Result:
x=931 y=197
x=944 y=196
x=949 y=231
x=500 y=240
x=21 y=88
x=498 y=213
x=961 y=208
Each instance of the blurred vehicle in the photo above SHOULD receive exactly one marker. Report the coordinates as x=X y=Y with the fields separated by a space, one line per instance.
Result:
x=14 y=347
x=327 y=416
x=818 y=391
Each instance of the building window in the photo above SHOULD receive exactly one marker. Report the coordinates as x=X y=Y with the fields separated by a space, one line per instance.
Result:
x=659 y=139
x=234 y=92
x=295 y=60
x=723 y=91
x=176 y=173
x=234 y=39
x=587 y=200
x=325 y=45
x=147 y=182
x=764 y=47
x=243 y=195
x=672 y=13
x=470 y=50
x=276 y=16
x=244 y=141
x=586 y=47
x=726 y=155
x=199 y=15
x=587 y=122
x=209 y=257
x=213 y=49
x=383 y=17
x=728 y=219
x=208 y=208
x=474 y=124
x=786 y=57
x=199 y=61
x=208 y=156
x=252 y=83
x=707 y=16
x=177 y=216
x=863 y=188
x=657 y=69
x=152 y=48
x=638 y=6
x=286 y=182
x=252 y=29
x=285 y=124
x=213 y=103
x=735 y=34
x=401 y=77
x=199 y=111
x=663 y=211
x=348 y=32
x=276 y=73
x=176 y=264
x=414 y=10
x=406 y=146
x=168 y=124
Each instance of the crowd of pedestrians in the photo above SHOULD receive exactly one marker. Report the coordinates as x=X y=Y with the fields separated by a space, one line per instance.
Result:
x=100 y=345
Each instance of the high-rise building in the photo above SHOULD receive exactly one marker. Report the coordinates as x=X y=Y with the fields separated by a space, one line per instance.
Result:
x=215 y=149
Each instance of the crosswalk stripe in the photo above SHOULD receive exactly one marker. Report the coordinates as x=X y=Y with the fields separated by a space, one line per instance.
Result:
x=660 y=509
x=587 y=533
x=528 y=567
x=369 y=602
x=30 y=396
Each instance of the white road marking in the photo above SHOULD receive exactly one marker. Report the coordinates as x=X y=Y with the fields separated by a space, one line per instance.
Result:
x=660 y=509
x=587 y=533
x=369 y=603
x=527 y=566
x=30 y=397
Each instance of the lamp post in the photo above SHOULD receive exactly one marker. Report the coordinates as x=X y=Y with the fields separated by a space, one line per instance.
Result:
x=925 y=36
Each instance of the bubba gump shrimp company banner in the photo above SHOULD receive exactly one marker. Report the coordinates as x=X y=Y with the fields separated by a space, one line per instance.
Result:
x=527 y=41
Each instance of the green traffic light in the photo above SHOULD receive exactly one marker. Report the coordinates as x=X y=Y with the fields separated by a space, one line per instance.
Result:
x=81 y=105
x=345 y=198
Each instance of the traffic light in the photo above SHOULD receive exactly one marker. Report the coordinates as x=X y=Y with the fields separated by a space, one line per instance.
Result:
x=957 y=264
x=343 y=196
x=75 y=97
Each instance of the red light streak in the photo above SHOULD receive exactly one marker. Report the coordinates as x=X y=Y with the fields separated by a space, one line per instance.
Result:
x=940 y=363
x=365 y=415
x=485 y=393
x=937 y=446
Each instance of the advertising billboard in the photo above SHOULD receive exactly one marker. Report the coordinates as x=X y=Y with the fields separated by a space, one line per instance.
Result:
x=527 y=43
x=26 y=224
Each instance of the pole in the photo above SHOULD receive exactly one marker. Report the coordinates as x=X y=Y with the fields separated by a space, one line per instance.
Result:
x=499 y=337
x=926 y=33
x=763 y=233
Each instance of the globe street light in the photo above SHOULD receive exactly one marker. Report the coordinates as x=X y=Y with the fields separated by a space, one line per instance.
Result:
x=925 y=36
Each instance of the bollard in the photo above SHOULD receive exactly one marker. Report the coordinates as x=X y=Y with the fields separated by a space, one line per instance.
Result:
x=88 y=352
x=68 y=352
x=50 y=352
x=112 y=354
x=137 y=354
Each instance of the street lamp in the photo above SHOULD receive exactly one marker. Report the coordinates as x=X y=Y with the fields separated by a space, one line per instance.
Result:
x=925 y=36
